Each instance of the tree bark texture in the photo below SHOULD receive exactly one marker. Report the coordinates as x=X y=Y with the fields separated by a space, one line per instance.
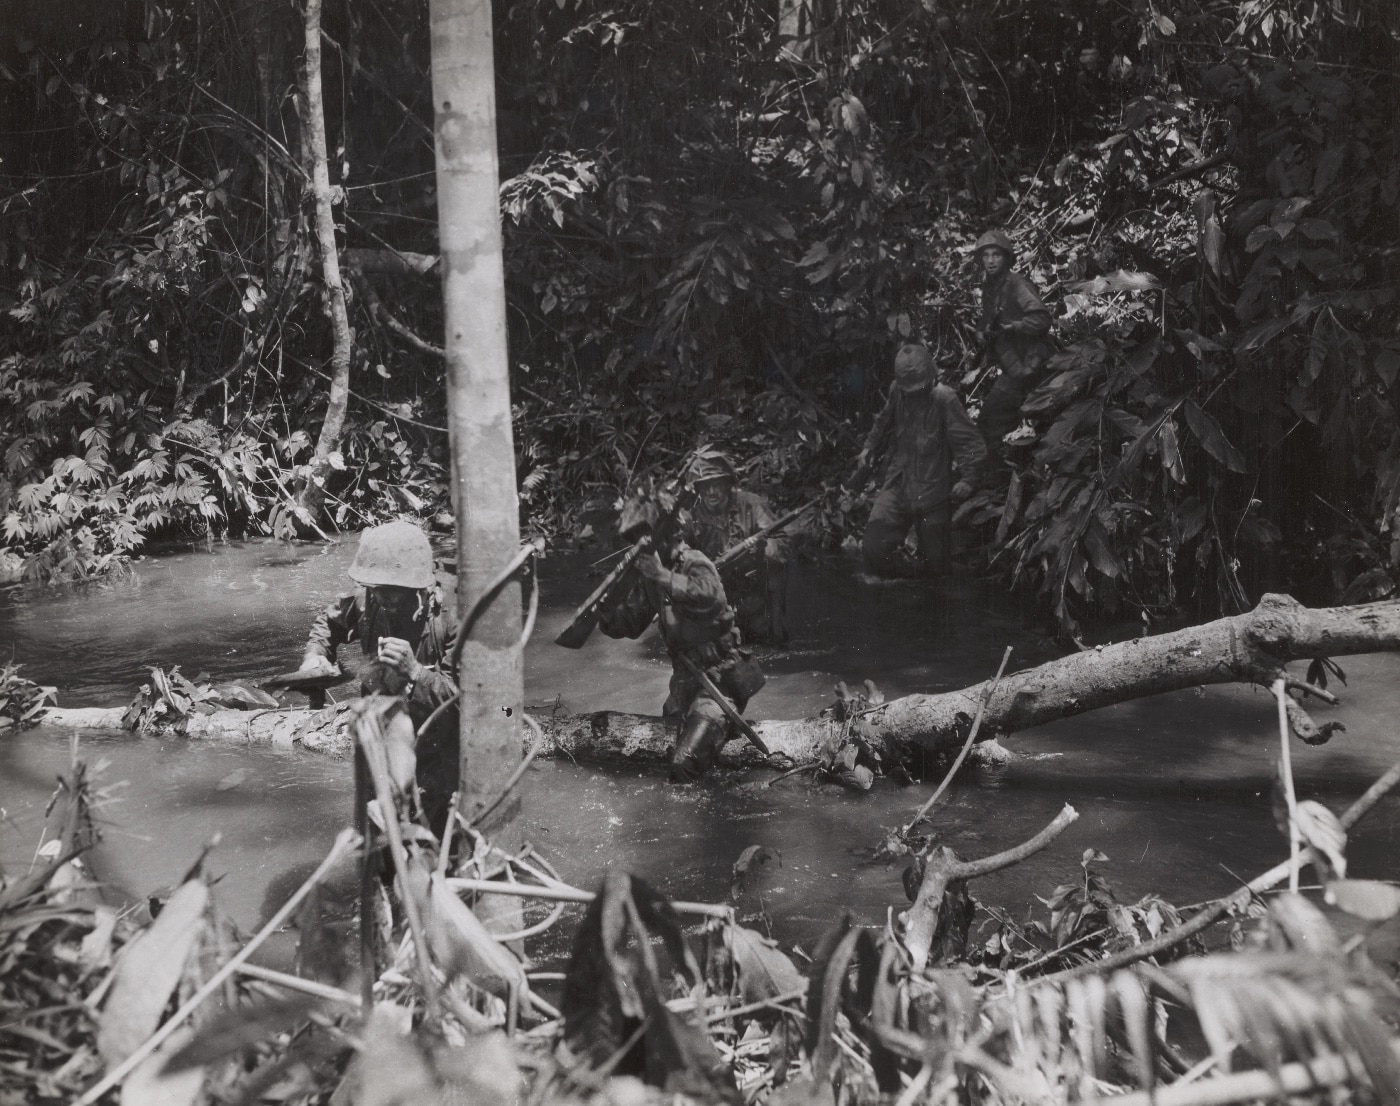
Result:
x=1247 y=648
x=311 y=493
x=491 y=672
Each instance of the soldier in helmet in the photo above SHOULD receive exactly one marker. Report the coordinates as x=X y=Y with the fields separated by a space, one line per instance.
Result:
x=724 y=515
x=923 y=428
x=681 y=588
x=1014 y=329
x=396 y=615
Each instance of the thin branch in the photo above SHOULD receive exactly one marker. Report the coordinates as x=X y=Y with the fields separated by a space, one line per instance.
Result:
x=383 y=314
x=971 y=869
x=573 y=894
x=1220 y=907
x=347 y=839
x=967 y=745
x=1286 y=770
x=1190 y=170
x=1247 y=1086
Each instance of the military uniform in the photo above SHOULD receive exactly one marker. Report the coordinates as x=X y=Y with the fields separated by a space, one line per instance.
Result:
x=360 y=617
x=757 y=585
x=924 y=432
x=697 y=623
x=1017 y=324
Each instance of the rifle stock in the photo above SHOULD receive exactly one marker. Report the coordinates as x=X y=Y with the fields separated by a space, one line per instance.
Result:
x=617 y=582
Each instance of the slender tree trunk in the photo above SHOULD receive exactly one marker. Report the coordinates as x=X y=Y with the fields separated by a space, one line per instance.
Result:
x=478 y=391
x=311 y=491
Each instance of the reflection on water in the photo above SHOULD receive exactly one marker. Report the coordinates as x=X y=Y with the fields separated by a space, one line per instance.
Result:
x=1174 y=789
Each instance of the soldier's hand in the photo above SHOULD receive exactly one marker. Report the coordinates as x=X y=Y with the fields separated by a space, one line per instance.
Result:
x=398 y=655
x=651 y=568
x=961 y=490
x=315 y=662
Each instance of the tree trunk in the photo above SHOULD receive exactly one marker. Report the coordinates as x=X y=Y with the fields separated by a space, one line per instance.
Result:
x=1248 y=648
x=491 y=673
x=311 y=488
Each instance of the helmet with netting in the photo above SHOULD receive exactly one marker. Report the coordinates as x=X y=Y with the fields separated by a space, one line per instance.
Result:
x=712 y=465
x=995 y=240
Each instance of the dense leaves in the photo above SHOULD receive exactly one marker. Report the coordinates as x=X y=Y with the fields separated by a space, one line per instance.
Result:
x=720 y=220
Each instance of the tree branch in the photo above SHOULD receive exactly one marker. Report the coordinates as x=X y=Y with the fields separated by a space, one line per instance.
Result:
x=382 y=313
x=1191 y=170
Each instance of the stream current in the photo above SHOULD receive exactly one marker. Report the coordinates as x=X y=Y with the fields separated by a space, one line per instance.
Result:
x=1174 y=789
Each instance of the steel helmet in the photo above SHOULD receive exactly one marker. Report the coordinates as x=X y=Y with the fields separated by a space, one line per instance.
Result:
x=995 y=239
x=396 y=554
x=913 y=367
x=712 y=465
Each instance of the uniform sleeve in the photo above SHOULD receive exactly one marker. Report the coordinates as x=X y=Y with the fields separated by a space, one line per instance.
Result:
x=440 y=640
x=969 y=448
x=875 y=440
x=334 y=626
x=695 y=588
x=432 y=690
x=1035 y=316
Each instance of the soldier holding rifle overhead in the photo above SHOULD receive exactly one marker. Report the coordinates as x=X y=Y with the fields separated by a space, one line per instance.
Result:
x=661 y=578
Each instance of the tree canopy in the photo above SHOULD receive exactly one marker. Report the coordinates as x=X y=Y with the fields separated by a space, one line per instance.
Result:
x=721 y=218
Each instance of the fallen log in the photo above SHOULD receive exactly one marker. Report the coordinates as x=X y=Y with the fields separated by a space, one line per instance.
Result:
x=1247 y=648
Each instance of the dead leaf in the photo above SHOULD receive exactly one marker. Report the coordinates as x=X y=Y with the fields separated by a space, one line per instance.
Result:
x=237 y=1029
x=1321 y=829
x=234 y=779
x=613 y=984
x=857 y=778
x=148 y=971
x=461 y=944
x=150 y=1084
x=96 y=949
x=1366 y=898
x=761 y=968
x=754 y=869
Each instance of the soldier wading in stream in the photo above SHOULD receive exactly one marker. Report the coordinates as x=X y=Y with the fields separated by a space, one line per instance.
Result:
x=1014 y=328
x=724 y=515
x=397 y=616
x=681 y=588
x=923 y=428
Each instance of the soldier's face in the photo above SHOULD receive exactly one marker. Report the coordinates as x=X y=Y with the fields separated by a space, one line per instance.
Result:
x=714 y=494
x=993 y=261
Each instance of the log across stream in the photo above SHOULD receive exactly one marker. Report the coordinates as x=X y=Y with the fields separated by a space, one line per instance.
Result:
x=1252 y=648
x=1173 y=788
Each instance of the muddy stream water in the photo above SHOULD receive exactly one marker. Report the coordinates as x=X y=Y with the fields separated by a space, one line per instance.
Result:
x=1173 y=789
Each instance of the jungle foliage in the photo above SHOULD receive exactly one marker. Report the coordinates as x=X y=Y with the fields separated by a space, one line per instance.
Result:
x=161 y=1003
x=720 y=220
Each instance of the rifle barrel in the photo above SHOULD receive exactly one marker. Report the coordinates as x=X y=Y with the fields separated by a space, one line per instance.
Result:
x=729 y=556
x=586 y=617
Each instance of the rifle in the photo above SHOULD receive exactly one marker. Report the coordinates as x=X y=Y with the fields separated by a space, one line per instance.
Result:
x=730 y=710
x=604 y=596
x=618 y=582
x=737 y=552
